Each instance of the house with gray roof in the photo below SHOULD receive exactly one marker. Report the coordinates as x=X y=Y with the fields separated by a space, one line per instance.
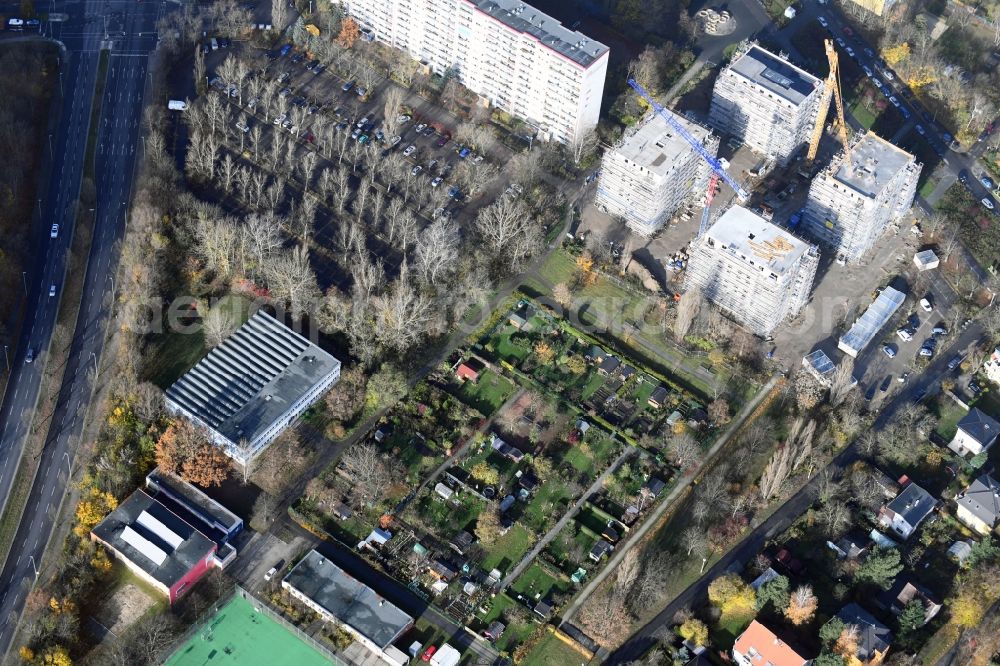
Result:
x=874 y=638
x=904 y=514
x=979 y=504
x=977 y=431
x=337 y=597
x=248 y=389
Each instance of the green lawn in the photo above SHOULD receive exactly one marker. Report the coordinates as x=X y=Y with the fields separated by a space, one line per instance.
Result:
x=508 y=549
x=177 y=351
x=552 y=651
x=445 y=518
x=928 y=187
x=516 y=632
x=538 y=583
x=504 y=347
x=950 y=414
x=590 y=457
x=549 y=501
x=862 y=115
x=487 y=394
x=593 y=383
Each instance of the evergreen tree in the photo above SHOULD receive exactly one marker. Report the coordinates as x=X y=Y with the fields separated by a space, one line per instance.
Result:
x=880 y=569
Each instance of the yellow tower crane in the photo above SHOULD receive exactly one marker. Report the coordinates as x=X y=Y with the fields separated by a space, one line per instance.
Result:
x=831 y=88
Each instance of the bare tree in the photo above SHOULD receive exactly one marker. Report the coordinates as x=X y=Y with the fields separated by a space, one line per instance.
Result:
x=369 y=471
x=291 y=279
x=683 y=449
x=402 y=314
x=392 y=109
x=437 y=250
x=507 y=229
x=693 y=541
x=841 y=382
x=217 y=325
x=279 y=14
x=582 y=145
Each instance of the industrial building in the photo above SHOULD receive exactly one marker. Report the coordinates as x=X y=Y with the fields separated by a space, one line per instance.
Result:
x=766 y=102
x=253 y=385
x=337 y=597
x=512 y=55
x=871 y=322
x=754 y=270
x=652 y=172
x=854 y=199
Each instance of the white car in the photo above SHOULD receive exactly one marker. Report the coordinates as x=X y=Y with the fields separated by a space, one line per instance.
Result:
x=888 y=75
x=850 y=51
x=926 y=305
x=437 y=181
x=410 y=149
x=823 y=22
x=52 y=290
x=270 y=573
x=54 y=231
x=894 y=101
x=868 y=71
x=402 y=119
x=421 y=127
x=904 y=335
x=280 y=119
x=986 y=202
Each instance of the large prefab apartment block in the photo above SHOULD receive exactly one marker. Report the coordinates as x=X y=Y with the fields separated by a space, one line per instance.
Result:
x=253 y=385
x=766 y=102
x=652 y=172
x=512 y=55
x=753 y=270
x=855 y=198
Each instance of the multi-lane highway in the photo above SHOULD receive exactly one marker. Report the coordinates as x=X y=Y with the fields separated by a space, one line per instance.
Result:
x=126 y=30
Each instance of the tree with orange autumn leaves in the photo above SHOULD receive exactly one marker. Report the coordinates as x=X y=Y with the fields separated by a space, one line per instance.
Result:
x=185 y=450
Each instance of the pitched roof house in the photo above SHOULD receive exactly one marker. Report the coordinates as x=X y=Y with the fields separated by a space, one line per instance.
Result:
x=469 y=370
x=977 y=432
x=904 y=514
x=874 y=638
x=759 y=646
x=904 y=590
x=979 y=504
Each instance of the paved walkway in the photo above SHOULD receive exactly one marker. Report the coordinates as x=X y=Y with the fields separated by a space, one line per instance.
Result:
x=636 y=535
x=568 y=516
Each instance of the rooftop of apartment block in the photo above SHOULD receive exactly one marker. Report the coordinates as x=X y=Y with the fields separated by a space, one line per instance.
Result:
x=776 y=74
x=656 y=146
x=756 y=240
x=524 y=18
x=874 y=162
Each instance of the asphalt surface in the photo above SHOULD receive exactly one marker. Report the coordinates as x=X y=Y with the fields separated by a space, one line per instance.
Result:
x=128 y=27
x=647 y=636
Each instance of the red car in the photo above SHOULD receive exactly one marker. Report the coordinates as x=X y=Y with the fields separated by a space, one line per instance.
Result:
x=428 y=653
x=848 y=31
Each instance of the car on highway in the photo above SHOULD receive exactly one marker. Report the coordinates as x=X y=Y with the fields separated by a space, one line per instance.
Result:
x=988 y=203
x=868 y=71
x=410 y=149
x=270 y=573
x=54 y=231
x=437 y=181
x=987 y=182
x=885 y=384
x=926 y=304
x=889 y=350
x=954 y=362
x=52 y=290
x=29 y=356
x=823 y=22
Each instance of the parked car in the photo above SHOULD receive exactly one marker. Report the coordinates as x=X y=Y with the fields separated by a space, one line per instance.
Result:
x=420 y=127
x=416 y=170
x=428 y=653
x=443 y=141
x=347 y=86
x=954 y=362
x=939 y=330
x=926 y=305
x=410 y=149
x=850 y=51
x=464 y=152
x=823 y=22
x=889 y=351
x=885 y=384
x=437 y=181
x=921 y=131
x=841 y=43
x=987 y=182
x=868 y=71
x=893 y=100
x=270 y=573
x=402 y=119
x=988 y=203
x=904 y=334
x=926 y=351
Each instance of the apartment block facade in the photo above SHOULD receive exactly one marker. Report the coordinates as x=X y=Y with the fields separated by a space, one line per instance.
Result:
x=766 y=102
x=652 y=172
x=855 y=198
x=755 y=271
x=512 y=55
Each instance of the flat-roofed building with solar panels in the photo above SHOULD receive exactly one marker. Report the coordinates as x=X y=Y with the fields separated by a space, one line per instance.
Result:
x=652 y=172
x=755 y=271
x=871 y=322
x=766 y=102
x=327 y=589
x=252 y=386
x=159 y=546
x=853 y=200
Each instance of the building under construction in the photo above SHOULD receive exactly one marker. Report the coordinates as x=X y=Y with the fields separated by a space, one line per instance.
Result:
x=754 y=270
x=854 y=199
x=652 y=172
x=766 y=102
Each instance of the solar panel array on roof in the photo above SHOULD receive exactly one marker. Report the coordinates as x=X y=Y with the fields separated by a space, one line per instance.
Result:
x=871 y=322
x=159 y=529
x=145 y=547
x=233 y=373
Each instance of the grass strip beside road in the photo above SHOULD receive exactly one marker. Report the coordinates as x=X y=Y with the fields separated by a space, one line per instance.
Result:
x=55 y=367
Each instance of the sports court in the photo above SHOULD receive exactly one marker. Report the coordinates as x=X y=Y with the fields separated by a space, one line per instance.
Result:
x=238 y=634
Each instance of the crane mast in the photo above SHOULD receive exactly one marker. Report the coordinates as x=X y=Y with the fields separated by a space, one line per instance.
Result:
x=831 y=88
